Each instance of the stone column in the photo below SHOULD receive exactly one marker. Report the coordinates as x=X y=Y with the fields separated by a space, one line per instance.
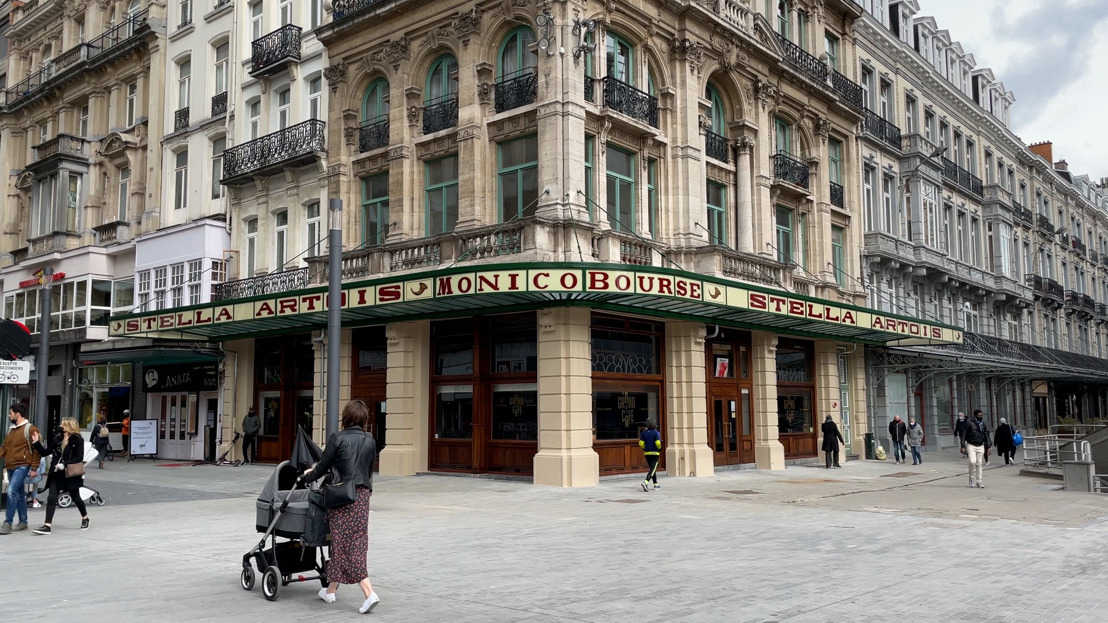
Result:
x=859 y=408
x=744 y=222
x=768 y=451
x=686 y=437
x=565 y=457
x=827 y=390
x=238 y=393
x=408 y=377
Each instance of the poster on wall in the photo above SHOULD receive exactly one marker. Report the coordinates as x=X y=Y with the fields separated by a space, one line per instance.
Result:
x=144 y=438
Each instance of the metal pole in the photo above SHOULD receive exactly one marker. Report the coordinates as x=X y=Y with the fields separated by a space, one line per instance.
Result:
x=334 y=313
x=42 y=366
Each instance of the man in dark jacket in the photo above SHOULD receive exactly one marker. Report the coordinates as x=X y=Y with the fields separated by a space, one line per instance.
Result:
x=977 y=442
x=251 y=424
x=100 y=440
x=831 y=440
x=960 y=432
x=898 y=430
x=651 y=443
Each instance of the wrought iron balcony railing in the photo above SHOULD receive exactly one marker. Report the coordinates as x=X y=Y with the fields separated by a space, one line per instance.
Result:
x=272 y=51
x=440 y=114
x=590 y=88
x=803 y=61
x=1078 y=245
x=961 y=177
x=282 y=148
x=273 y=283
x=1023 y=214
x=219 y=104
x=837 y=195
x=373 y=134
x=789 y=169
x=515 y=90
x=626 y=99
x=716 y=146
x=181 y=119
x=1041 y=221
x=348 y=8
x=881 y=128
x=850 y=91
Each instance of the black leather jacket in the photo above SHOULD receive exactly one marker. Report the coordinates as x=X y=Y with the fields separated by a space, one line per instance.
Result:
x=351 y=453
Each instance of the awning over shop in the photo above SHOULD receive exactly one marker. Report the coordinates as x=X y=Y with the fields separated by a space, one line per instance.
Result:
x=453 y=292
x=150 y=356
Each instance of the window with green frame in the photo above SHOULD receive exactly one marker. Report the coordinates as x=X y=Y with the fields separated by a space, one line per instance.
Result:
x=519 y=177
x=717 y=213
x=375 y=101
x=802 y=30
x=834 y=160
x=375 y=208
x=442 y=79
x=719 y=124
x=800 y=251
x=441 y=191
x=517 y=53
x=590 y=181
x=784 y=235
x=619 y=59
x=831 y=46
x=838 y=259
x=652 y=195
x=621 y=189
x=783 y=17
x=783 y=132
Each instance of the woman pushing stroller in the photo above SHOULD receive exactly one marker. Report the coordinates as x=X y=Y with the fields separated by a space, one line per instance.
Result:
x=68 y=472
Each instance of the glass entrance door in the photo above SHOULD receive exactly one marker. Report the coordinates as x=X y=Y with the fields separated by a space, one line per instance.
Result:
x=730 y=428
x=173 y=440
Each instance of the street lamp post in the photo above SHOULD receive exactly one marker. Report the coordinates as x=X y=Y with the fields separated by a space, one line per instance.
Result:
x=334 y=313
x=42 y=366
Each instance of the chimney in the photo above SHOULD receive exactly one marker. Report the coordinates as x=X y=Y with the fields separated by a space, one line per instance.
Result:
x=1062 y=165
x=1044 y=149
x=1104 y=182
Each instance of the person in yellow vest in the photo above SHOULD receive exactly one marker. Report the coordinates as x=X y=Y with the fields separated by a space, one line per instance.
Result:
x=651 y=443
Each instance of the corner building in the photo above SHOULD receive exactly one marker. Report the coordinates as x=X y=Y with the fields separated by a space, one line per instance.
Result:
x=562 y=220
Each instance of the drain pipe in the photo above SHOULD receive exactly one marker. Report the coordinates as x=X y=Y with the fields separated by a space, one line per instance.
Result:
x=715 y=333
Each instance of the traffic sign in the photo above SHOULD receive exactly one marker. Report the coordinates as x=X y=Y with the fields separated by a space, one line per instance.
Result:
x=15 y=372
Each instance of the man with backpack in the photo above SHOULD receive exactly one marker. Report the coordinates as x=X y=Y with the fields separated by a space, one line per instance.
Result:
x=100 y=439
x=21 y=461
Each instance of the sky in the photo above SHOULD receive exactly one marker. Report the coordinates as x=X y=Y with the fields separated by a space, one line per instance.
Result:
x=1053 y=55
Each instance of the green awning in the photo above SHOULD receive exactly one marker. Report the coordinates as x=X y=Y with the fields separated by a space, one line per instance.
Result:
x=150 y=356
x=464 y=291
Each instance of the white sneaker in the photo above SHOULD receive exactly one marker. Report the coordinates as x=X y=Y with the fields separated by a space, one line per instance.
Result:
x=325 y=596
x=370 y=603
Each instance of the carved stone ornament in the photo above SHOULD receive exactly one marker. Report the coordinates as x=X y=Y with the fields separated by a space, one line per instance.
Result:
x=393 y=52
x=823 y=127
x=335 y=73
x=467 y=24
x=744 y=144
x=350 y=134
x=688 y=50
x=766 y=92
x=485 y=92
x=413 y=115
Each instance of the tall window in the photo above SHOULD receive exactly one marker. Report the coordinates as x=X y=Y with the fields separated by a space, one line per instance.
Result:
x=517 y=53
x=256 y=21
x=315 y=98
x=873 y=218
x=619 y=59
x=132 y=103
x=802 y=30
x=285 y=9
x=311 y=214
x=783 y=17
x=838 y=257
x=519 y=178
x=887 y=204
x=280 y=239
x=831 y=46
x=184 y=77
x=124 y=192
x=221 y=54
x=717 y=213
x=255 y=118
x=251 y=247
x=82 y=123
x=590 y=180
x=317 y=13
x=785 y=240
x=194 y=279
x=886 y=99
x=181 y=180
x=716 y=115
x=185 y=16
x=375 y=208
x=73 y=197
x=975 y=239
x=783 y=134
x=441 y=190
x=929 y=125
x=652 y=196
x=867 y=88
x=177 y=285
x=375 y=105
x=621 y=189
x=159 y=287
x=442 y=80
x=284 y=104
x=910 y=111
x=834 y=160
x=218 y=146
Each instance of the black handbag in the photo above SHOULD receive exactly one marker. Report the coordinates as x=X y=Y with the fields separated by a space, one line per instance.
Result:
x=339 y=494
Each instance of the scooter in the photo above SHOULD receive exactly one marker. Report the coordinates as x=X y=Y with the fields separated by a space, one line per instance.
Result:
x=222 y=460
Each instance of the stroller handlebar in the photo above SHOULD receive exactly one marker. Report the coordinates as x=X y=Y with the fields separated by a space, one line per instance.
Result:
x=299 y=481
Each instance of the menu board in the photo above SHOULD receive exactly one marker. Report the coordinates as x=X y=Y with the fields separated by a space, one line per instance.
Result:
x=144 y=437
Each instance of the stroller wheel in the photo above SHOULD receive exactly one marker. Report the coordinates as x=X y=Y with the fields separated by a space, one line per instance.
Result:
x=271 y=583
x=98 y=499
x=246 y=578
x=64 y=500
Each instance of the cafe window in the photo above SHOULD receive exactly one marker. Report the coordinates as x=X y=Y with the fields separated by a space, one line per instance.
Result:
x=454 y=412
x=514 y=346
x=622 y=414
x=626 y=346
x=453 y=349
x=725 y=365
x=515 y=411
x=794 y=387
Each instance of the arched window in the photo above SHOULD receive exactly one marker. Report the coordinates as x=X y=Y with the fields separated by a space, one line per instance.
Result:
x=516 y=53
x=716 y=117
x=442 y=80
x=619 y=59
x=374 y=133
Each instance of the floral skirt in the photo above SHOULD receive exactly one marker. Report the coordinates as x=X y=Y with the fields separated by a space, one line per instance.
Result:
x=349 y=540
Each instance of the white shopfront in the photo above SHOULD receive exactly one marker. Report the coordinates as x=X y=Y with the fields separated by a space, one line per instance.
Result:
x=184 y=402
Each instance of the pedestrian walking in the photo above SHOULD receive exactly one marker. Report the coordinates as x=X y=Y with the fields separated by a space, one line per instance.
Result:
x=651 y=443
x=21 y=461
x=960 y=433
x=126 y=432
x=251 y=424
x=915 y=440
x=100 y=440
x=351 y=453
x=831 y=440
x=977 y=442
x=68 y=473
x=898 y=431
x=1005 y=444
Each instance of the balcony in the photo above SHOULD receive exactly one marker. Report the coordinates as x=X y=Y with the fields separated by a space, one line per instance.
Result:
x=349 y=8
x=1046 y=289
x=1011 y=288
x=440 y=114
x=804 y=62
x=1078 y=246
x=1083 y=304
x=219 y=104
x=293 y=146
x=888 y=247
x=1044 y=223
x=917 y=145
x=627 y=100
x=273 y=52
x=789 y=169
x=934 y=261
x=1101 y=310
x=273 y=283
x=34 y=15
x=1094 y=257
x=181 y=119
x=1022 y=214
x=882 y=129
x=55 y=242
x=1104 y=259
x=373 y=134
x=63 y=145
x=115 y=232
x=715 y=146
x=848 y=90
x=837 y=196
x=515 y=90
x=960 y=177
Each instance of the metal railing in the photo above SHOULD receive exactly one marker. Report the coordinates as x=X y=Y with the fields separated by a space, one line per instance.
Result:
x=715 y=146
x=961 y=177
x=516 y=89
x=837 y=196
x=882 y=129
x=373 y=134
x=1049 y=452
x=626 y=99
x=347 y=8
x=293 y=142
x=181 y=119
x=805 y=62
x=440 y=113
x=273 y=283
x=269 y=50
x=850 y=91
x=789 y=169
x=219 y=104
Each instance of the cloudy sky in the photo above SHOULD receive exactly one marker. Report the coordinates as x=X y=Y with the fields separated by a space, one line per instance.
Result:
x=1049 y=54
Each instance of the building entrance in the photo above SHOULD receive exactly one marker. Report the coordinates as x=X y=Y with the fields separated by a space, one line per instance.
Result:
x=730 y=400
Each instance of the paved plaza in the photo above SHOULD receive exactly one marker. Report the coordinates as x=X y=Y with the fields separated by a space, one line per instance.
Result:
x=873 y=541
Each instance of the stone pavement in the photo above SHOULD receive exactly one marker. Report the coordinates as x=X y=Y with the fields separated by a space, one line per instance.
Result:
x=873 y=541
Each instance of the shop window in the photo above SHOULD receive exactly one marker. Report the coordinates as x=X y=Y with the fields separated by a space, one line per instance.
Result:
x=454 y=412
x=515 y=411
x=514 y=347
x=453 y=349
x=619 y=352
x=794 y=389
x=793 y=362
x=623 y=414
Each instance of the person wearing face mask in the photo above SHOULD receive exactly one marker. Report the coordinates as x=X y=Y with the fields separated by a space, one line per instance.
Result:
x=898 y=431
x=960 y=433
x=21 y=461
x=977 y=442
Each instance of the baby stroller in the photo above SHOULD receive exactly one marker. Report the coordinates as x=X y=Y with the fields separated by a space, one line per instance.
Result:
x=88 y=494
x=284 y=511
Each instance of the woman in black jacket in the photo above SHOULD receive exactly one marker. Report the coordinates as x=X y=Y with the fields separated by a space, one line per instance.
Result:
x=351 y=453
x=1005 y=445
x=69 y=449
